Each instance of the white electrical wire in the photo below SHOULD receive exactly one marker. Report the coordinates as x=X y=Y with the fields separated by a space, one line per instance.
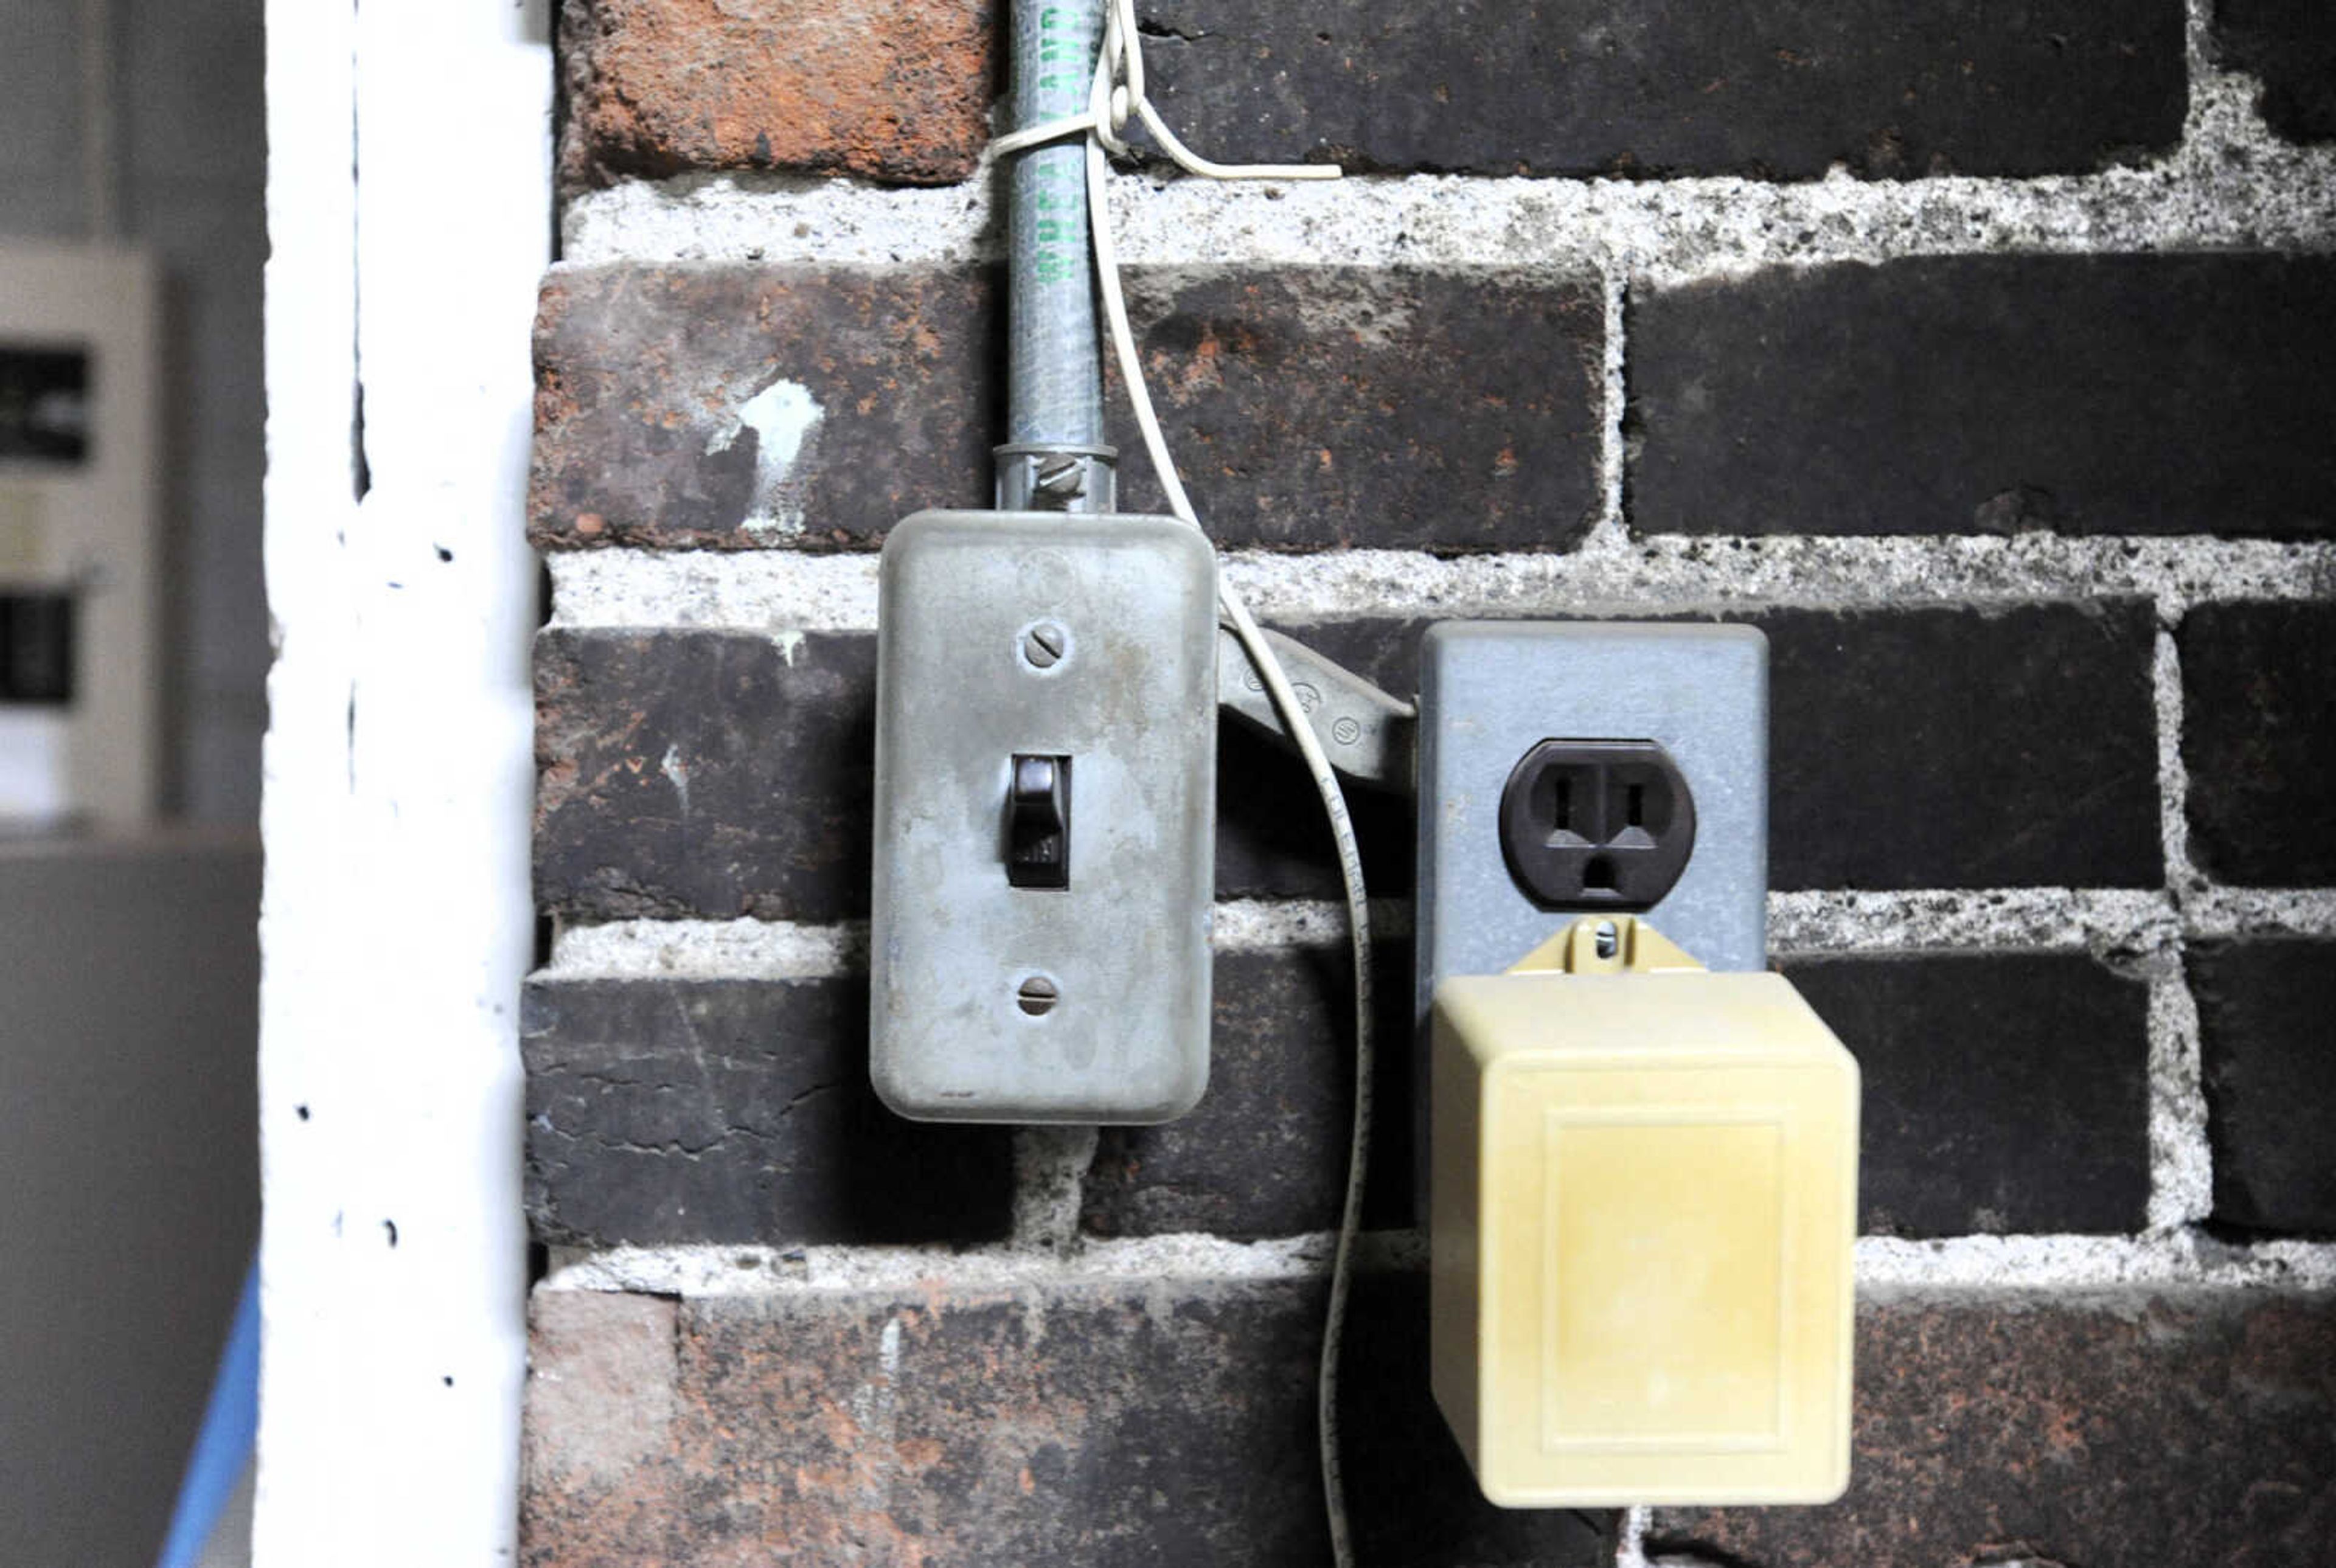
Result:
x=1118 y=92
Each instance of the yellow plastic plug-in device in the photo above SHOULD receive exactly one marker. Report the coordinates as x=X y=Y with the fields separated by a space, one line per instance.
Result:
x=1642 y=1207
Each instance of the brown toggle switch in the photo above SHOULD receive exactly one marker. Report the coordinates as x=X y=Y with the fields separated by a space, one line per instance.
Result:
x=1039 y=822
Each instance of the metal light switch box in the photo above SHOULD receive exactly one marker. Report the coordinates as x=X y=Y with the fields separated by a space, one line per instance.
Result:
x=1046 y=817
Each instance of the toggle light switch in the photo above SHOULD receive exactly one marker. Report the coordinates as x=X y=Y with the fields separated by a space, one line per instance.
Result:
x=1038 y=823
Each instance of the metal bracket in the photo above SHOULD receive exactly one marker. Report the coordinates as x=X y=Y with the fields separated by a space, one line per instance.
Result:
x=1369 y=735
x=1043 y=477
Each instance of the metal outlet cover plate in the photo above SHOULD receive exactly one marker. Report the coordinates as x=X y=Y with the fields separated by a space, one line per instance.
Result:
x=1086 y=637
x=1490 y=691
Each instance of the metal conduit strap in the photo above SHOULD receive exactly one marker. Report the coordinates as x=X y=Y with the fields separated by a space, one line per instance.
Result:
x=1053 y=458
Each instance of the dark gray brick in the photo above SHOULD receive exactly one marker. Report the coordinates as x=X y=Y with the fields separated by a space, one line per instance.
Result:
x=2123 y=1430
x=1312 y=408
x=1963 y=748
x=2264 y=1010
x=1265 y=1153
x=712 y=774
x=2291 y=45
x=2004 y=1092
x=1910 y=749
x=704 y=774
x=1348 y=405
x=2259 y=740
x=2179 y=393
x=1765 y=87
x=725 y=1111
x=1166 y=1422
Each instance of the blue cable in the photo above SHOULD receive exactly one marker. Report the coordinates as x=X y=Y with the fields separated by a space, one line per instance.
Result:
x=223 y=1448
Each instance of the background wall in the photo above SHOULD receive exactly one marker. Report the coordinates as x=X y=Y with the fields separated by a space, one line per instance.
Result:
x=189 y=158
x=127 y=1188
x=129 y=971
x=1980 y=355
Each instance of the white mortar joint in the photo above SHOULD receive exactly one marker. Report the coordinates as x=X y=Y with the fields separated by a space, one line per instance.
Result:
x=2118 y=925
x=785 y=593
x=2170 y=1259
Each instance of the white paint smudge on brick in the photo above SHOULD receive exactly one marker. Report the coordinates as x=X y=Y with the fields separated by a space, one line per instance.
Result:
x=784 y=417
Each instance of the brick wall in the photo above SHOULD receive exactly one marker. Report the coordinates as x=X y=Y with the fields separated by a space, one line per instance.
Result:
x=1979 y=353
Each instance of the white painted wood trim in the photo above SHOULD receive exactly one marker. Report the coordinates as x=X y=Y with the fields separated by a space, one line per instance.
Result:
x=409 y=202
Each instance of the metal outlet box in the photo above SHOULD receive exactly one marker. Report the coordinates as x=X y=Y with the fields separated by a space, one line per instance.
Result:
x=1490 y=691
x=1045 y=817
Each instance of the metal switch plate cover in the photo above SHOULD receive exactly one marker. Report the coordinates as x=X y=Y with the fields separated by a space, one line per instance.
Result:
x=1087 y=637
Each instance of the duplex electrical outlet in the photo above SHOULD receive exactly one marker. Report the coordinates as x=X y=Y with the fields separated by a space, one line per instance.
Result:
x=1597 y=824
x=1046 y=816
x=1522 y=723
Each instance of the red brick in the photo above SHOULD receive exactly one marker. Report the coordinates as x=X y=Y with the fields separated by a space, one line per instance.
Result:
x=592 y=1355
x=896 y=92
x=2119 y=1430
x=1311 y=408
x=1125 y=1425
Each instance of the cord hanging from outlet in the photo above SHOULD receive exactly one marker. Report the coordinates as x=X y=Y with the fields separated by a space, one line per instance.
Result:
x=1118 y=95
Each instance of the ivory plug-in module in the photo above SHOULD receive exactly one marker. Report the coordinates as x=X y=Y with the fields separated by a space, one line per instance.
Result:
x=1643 y=1217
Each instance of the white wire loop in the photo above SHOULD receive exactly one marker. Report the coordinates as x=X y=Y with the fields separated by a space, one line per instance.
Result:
x=1118 y=93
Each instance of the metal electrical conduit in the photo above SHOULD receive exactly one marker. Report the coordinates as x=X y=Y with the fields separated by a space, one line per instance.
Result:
x=1053 y=458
